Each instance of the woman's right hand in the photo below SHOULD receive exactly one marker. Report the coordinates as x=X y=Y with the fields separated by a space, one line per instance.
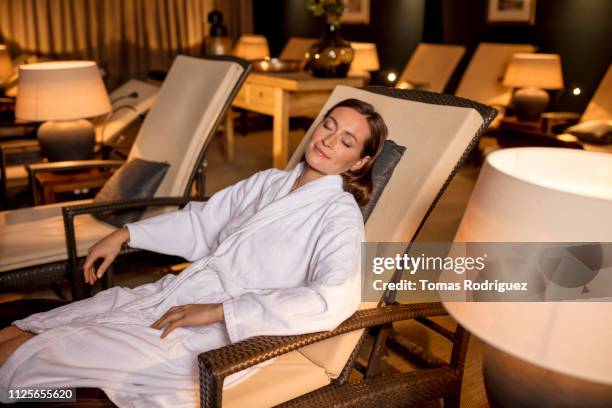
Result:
x=107 y=249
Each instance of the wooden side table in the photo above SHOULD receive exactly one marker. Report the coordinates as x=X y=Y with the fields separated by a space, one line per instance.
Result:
x=49 y=184
x=516 y=133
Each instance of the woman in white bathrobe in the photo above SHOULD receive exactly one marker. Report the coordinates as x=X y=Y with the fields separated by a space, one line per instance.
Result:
x=275 y=254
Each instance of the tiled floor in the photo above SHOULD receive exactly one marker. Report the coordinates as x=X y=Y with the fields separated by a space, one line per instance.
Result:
x=253 y=153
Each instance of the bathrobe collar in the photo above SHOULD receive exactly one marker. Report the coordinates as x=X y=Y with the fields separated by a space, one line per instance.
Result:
x=332 y=181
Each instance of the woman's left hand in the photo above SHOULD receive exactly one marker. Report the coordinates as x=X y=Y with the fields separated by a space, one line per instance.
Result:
x=188 y=316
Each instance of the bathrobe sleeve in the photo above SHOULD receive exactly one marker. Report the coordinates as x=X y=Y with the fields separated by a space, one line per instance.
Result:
x=193 y=232
x=332 y=294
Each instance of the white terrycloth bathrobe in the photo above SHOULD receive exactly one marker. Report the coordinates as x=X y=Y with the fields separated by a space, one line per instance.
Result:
x=281 y=263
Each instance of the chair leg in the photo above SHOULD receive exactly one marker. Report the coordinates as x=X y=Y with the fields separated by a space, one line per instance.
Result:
x=379 y=350
x=453 y=400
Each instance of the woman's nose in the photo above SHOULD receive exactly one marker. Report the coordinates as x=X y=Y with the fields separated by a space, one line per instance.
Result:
x=329 y=141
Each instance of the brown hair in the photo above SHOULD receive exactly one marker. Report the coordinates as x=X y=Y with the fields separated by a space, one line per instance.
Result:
x=359 y=183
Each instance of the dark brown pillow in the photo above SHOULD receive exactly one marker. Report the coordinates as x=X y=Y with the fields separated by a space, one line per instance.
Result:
x=137 y=178
x=381 y=173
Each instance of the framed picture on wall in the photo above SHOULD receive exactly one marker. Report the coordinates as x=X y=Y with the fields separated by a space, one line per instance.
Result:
x=356 y=12
x=511 y=12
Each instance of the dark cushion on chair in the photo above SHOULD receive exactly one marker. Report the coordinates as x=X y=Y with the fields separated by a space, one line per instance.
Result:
x=593 y=131
x=381 y=173
x=137 y=178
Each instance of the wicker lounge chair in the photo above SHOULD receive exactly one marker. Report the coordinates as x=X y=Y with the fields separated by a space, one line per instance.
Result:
x=188 y=109
x=313 y=369
x=326 y=359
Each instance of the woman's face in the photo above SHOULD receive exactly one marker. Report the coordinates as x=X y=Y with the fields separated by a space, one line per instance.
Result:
x=336 y=144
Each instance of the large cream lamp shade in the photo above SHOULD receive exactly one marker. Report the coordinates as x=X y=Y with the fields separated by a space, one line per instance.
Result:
x=549 y=353
x=62 y=94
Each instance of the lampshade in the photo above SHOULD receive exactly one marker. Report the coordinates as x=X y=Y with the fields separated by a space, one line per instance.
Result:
x=365 y=57
x=251 y=47
x=61 y=90
x=6 y=66
x=544 y=195
x=534 y=70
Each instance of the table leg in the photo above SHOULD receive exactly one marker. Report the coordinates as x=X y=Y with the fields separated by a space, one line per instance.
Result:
x=48 y=195
x=228 y=136
x=280 y=129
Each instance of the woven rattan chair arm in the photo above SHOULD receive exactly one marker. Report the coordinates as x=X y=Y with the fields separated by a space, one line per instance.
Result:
x=69 y=212
x=73 y=165
x=217 y=364
x=92 y=208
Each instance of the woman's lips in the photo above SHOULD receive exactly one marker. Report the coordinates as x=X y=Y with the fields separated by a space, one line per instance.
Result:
x=320 y=152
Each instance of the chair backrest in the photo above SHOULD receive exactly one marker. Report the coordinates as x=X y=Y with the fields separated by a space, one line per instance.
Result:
x=431 y=65
x=190 y=105
x=296 y=48
x=438 y=132
x=129 y=101
x=482 y=79
x=600 y=106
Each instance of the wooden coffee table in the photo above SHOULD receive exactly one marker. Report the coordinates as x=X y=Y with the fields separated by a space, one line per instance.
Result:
x=49 y=184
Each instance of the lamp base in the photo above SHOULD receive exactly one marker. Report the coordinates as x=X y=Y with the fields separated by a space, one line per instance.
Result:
x=67 y=140
x=530 y=103
x=511 y=382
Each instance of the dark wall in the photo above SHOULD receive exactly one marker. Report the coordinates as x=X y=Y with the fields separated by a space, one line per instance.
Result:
x=579 y=30
x=396 y=26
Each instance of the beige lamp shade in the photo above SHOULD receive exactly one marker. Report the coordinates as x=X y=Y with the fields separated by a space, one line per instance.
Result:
x=544 y=195
x=6 y=65
x=251 y=47
x=61 y=90
x=365 y=57
x=534 y=70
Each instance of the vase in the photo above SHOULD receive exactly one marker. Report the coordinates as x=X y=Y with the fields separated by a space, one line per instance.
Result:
x=331 y=56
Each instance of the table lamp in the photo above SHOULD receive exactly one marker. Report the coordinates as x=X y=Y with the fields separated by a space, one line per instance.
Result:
x=62 y=94
x=251 y=47
x=554 y=354
x=532 y=74
x=365 y=59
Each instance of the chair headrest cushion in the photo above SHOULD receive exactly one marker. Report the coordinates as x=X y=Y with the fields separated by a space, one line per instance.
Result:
x=137 y=178
x=382 y=171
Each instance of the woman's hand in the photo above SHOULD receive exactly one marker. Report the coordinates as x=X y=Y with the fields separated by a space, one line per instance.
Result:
x=107 y=248
x=188 y=316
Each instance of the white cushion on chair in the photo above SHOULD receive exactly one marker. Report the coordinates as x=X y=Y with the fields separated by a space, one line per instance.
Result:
x=600 y=106
x=431 y=66
x=435 y=137
x=482 y=79
x=287 y=377
x=33 y=236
